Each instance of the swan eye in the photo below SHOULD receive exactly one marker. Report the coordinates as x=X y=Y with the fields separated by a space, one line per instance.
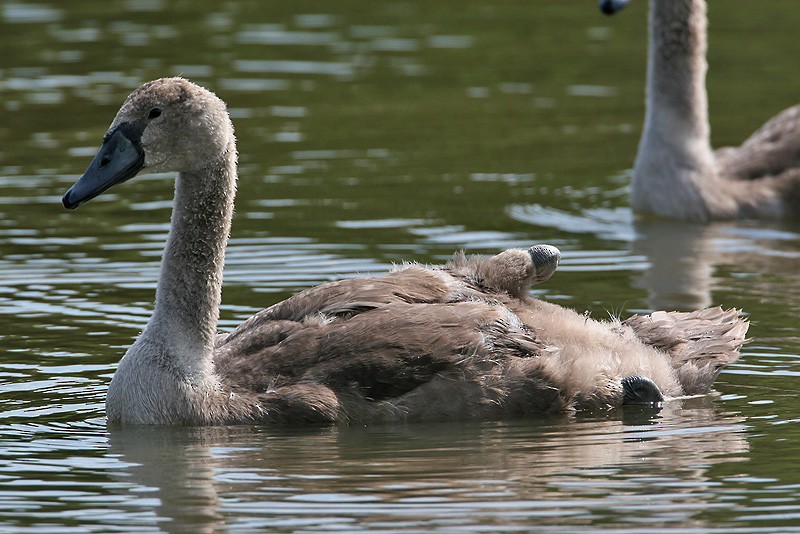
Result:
x=155 y=112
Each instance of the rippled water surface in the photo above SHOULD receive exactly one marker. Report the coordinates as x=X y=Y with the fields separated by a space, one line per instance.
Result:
x=371 y=133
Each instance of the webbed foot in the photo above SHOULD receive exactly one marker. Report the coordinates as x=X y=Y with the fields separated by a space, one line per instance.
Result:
x=514 y=270
x=545 y=261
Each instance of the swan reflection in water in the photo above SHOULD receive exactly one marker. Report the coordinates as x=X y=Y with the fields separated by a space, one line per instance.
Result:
x=677 y=262
x=423 y=474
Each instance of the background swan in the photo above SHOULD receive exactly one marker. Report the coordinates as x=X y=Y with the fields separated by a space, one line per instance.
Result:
x=465 y=340
x=676 y=173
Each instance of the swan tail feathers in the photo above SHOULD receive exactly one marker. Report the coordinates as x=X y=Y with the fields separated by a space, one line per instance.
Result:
x=700 y=343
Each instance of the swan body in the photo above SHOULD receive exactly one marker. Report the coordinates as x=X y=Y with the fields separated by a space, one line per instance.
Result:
x=676 y=173
x=464 y=340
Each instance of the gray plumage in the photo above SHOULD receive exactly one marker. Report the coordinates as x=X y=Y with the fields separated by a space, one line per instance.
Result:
x=465 y=340
x=676 y=173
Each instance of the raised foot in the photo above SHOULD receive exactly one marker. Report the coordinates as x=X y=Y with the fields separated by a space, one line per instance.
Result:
x=513 y=271
x=545 y=260
x=640 y=390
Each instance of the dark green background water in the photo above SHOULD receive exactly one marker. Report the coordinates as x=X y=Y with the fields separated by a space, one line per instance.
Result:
x=371 y=133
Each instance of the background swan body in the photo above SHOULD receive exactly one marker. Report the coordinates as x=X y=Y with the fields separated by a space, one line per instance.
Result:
x=464 y=340
x=676 y=173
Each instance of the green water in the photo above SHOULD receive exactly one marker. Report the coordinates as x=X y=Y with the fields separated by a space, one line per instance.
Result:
x=372 y=133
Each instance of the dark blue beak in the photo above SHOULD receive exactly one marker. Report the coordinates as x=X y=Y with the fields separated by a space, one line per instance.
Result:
x=609 y=7
x=118 y=160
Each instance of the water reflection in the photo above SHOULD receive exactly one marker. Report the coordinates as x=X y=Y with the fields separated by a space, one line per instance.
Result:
x=684 y=259
x=433 y=476
x=21 y=13
x=677 y=262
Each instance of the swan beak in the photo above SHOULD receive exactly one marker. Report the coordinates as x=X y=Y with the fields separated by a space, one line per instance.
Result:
x=609 y=7
x=118 y=160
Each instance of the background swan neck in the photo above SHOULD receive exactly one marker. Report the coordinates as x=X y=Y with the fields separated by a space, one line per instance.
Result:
x=676 y=68
x=190 y=283
x=675 y=171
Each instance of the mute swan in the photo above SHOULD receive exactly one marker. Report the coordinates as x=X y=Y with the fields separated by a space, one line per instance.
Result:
x=676 y=173
x=465 y=340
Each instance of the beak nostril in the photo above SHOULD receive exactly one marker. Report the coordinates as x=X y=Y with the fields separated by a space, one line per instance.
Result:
x=104 y=161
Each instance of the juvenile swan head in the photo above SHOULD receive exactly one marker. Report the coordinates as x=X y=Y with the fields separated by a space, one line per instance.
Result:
x=169 y=124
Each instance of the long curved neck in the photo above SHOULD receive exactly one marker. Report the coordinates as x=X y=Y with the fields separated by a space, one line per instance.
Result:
x=167 y=375
x=675 y=164
x=190 y=283
x=676 y=69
